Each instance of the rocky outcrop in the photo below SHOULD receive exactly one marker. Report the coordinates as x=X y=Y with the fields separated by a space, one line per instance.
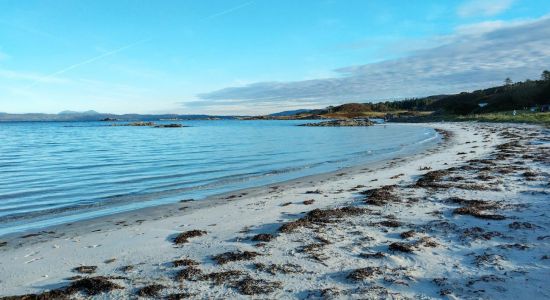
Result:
x=341 y=123
x=151 y=124
x=170 y=126
x=138 y=124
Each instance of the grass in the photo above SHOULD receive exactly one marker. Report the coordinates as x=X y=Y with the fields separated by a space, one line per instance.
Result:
x=522 y=116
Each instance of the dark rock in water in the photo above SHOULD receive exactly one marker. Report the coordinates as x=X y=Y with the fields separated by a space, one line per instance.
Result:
x=151 y=124
x=170 y=126
x=138 y=124
x=108 y=120
x=341 y=123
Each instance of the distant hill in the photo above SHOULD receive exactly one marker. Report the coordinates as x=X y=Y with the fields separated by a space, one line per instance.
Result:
x=72 y=116
x=530 y=94
x=290 y=112
x=70 y=112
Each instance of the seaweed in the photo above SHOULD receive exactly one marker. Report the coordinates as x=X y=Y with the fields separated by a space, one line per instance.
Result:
x=380 y=196
x=319 y=216
x=401 y=247
x=263 y=237
x=185 y=262
x=226 y=257
x=364 y=273
x=190 y=273
x=85 y=269
x=407 y=234
x=250 y=286
x=184 y=237
x=151 y=290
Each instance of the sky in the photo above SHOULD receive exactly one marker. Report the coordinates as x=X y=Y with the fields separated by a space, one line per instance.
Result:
x=259 y=56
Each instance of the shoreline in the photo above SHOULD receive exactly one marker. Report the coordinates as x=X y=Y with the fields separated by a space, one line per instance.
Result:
x=45 y=262
x=163 y=210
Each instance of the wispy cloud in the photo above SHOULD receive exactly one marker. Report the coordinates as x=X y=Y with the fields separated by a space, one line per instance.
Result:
x=227 y=11
x=29 y=76
x=465 y=61
x=85 y=62
x=487 y=8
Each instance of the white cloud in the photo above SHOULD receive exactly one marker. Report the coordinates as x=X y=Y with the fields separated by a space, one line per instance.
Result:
x=465 y=61
x=487 y=8
x=29 y=76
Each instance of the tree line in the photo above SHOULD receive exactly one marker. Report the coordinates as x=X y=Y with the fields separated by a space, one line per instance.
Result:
x=510 y=96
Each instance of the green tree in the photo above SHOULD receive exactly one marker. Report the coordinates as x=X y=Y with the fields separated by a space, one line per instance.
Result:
x=508 y=81
x=545 y=75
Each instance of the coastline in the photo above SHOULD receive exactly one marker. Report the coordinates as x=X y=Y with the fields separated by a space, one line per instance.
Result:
x=169 y=209
x=43 y=262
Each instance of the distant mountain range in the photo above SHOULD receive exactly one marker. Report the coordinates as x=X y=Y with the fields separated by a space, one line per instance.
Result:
x=91 y=115
x=70 y=112
x=291 y=112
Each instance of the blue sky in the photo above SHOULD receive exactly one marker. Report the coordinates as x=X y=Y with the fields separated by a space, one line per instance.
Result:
x=244 y=57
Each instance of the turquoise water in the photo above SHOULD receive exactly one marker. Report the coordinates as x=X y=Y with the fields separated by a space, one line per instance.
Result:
x=56 y=172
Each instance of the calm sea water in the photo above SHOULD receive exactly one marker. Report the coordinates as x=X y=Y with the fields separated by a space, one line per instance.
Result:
x=53 y=173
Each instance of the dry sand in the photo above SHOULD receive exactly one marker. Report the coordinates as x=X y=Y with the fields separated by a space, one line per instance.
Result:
x=399 y=229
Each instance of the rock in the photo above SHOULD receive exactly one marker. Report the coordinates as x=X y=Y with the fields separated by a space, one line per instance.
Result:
x=170 y=126
x=341 y=123
x=138 y=124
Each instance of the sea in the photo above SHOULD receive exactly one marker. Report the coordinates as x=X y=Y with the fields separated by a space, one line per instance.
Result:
x=53 y=173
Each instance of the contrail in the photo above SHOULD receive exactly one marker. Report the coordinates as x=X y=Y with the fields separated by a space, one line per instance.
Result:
x=91 y=60
x=227 y=11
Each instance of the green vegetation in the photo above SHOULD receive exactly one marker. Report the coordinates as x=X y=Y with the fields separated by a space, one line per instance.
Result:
x=500 y=117
x=530 y=99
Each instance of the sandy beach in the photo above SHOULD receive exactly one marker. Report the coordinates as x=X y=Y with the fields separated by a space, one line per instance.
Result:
x=467 y=218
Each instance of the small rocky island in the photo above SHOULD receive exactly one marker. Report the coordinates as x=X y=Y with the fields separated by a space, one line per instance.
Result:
x=341 y=123
x=151 y=124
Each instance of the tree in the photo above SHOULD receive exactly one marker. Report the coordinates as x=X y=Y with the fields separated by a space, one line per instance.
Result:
x=545 y=75
x=508 y=81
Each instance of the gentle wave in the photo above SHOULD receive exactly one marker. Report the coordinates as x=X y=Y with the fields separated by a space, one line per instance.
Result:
x=53 y=173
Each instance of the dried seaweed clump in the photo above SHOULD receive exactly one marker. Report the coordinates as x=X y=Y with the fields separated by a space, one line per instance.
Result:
x=224 y=276
x=184 y=262
x=390 y=223
x=364 y=273
x=151 y=290
x=381 y=195
x=235 y=256
x=407 y=234
x=190 y=273
x=321 y=216
x=273 y=269
x=179 y=296
x=401 y=247
x=85 y=269
x=184 y=237
x=475 y=208
x=475 y=212
x=250 y=286
x=431 y=178
x=90 y=286
x=372 y=255
x=263 y=237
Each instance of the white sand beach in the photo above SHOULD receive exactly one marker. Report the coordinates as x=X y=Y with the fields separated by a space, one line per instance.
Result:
x=476 y=229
